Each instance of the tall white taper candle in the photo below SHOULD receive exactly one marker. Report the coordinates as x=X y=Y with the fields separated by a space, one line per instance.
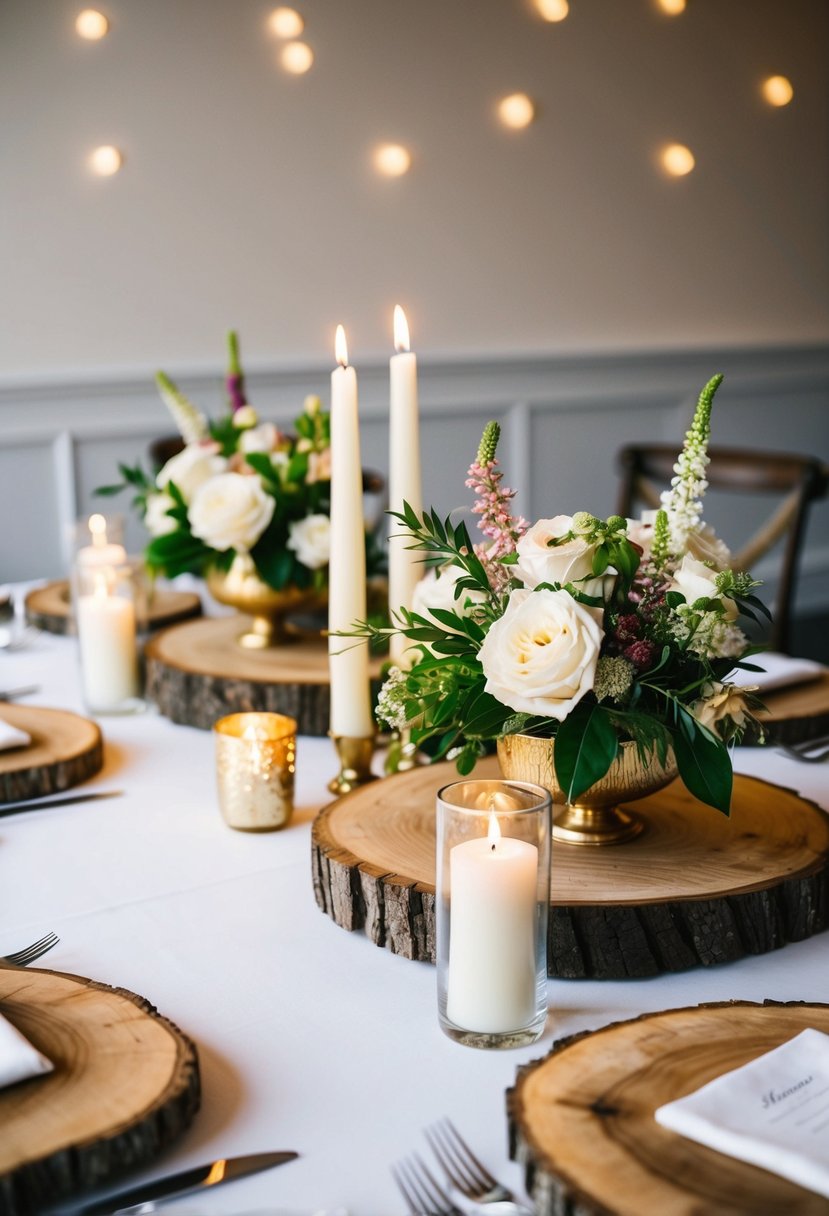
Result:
x=348 y=657
x=405 y=565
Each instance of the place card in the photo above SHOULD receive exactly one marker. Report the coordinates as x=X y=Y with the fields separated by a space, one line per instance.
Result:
x=12 y=736
x=772 y=1112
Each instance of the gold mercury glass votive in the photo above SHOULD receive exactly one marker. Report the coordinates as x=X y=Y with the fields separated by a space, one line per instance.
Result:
x=255 y=765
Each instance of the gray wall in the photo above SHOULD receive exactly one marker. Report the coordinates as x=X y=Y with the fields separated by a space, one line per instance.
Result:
x=554 y=278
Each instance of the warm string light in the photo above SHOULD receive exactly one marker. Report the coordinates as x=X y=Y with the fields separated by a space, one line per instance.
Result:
x=516 y=111
x=672 y=7
x=677 y=160
x=296 y=58
x=552 y=10
x=91 y=24
x=778 y=90
x=392 y=160
x=106 y=160
x=286 y=23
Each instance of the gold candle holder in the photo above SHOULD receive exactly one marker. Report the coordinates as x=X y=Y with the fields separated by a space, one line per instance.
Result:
x=355 y=763
x=255 y=765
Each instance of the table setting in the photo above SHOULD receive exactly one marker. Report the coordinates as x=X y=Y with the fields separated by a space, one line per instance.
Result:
x=599 y=884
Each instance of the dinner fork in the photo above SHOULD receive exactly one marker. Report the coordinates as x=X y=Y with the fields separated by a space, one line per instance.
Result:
x=22 y=958
x=810 y=751
x=465 y=1172
x=420 y=1189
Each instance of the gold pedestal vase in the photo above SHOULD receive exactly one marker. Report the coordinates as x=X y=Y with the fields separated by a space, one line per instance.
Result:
x=241 y=587
x=596 y=818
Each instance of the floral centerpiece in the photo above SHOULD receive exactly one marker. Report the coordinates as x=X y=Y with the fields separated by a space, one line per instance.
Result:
x=596 y=633
x=242 y=503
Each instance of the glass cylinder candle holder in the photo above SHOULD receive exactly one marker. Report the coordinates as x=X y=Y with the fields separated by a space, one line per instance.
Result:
x=106 y=620
x=98 y=540
x=255 y=765
x=493 y=895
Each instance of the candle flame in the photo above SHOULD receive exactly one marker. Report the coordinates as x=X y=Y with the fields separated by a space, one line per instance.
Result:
x=494 y=831
x=340 y=347
x=100 y=586
x=98 y=528
x=401 y=330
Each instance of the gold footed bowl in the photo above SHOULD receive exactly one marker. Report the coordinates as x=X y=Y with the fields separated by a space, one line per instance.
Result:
x=241 y=587
x=596 y=818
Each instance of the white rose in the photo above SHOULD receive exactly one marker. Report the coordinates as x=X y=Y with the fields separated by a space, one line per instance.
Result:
x=157 y=520
x=540 y=656
x=570 y=562
x=696 y=581
x=704 y=544
x=191 y=468
x=262 y=438
x=310 y=539
x=437 y=590
x=230 y=511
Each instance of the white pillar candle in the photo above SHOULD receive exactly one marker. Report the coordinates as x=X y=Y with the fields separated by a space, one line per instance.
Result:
x=492 y=971
x=348 y=657
x=106 y=637
x=405 y=565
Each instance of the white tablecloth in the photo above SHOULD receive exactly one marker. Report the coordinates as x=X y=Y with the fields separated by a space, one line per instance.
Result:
x=310 y=1038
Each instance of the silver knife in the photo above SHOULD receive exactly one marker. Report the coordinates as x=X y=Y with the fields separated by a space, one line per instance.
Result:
x=46 y=804
x=140 y=1199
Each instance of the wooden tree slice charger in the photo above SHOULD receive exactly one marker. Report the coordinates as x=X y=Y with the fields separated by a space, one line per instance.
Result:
x=694 y=888
x=798 y=713
x=581 y=1120
x=125 y=1086
x=196 y=672
x=66 y=749
x=49 y=607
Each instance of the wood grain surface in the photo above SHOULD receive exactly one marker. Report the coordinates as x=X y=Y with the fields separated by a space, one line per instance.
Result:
x=196 y=672
x=581 y=1119
x=66 y=749
x=125 y=1086
x=695 y=887
x=49 y=607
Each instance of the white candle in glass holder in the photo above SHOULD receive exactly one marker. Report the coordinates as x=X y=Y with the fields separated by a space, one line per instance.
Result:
x=348 y=657
x=101 y=552
x=492 y=969
x=405 y=565
x=107 y=640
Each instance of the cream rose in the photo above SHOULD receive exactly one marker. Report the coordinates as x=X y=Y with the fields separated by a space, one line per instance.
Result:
x=310 y=540
x=437 y=590
x=157 y=520
x=540 y=656
x=640 y=532
x=696 y=581
x=539 y=561
x=230 y=511
x=704 y=544
x=191 y=468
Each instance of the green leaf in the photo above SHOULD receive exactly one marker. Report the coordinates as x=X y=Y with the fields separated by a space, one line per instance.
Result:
x=674 y=598
x=586 y=746
x=703 y=762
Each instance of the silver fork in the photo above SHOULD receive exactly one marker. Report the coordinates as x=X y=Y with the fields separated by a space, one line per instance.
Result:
x=810 y=751
x=465 y=1172
x=422 y=1192
x=22 y=958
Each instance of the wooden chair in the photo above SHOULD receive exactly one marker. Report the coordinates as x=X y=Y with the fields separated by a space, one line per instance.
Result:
x=796 y=481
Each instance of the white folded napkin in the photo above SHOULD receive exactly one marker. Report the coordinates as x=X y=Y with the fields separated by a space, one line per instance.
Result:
x=18 y=1058
x=779 y=671
x=772 y=1112
x=10 y=736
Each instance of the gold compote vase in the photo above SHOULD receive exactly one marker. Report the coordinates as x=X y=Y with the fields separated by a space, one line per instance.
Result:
x=241 y=587
x=596 y=818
